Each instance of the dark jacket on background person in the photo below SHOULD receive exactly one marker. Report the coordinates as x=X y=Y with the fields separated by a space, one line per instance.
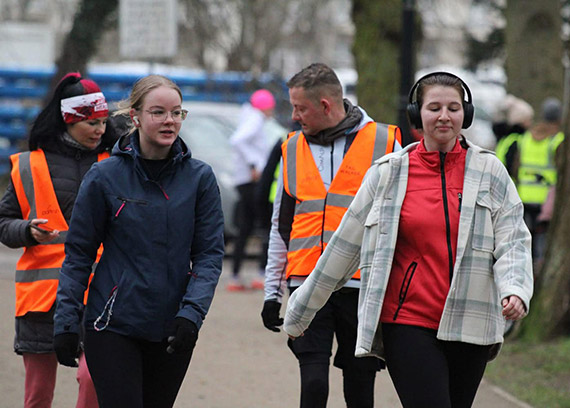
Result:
x=268 y=182
x=67 y=165
x=159 y=261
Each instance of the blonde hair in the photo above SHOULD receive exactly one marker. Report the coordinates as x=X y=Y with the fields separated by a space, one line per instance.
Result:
x=140 y=90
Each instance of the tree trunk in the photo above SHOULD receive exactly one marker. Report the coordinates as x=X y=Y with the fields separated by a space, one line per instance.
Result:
x=534 y=71
x=82 y=41
x=376 y=52
x=534 y=50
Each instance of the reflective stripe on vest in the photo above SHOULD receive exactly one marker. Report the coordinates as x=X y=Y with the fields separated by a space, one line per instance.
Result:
x=537 y=170
x=317 y=212
x=37 y=270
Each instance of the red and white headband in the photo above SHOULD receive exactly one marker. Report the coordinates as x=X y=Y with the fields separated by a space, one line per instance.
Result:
x=84 y=107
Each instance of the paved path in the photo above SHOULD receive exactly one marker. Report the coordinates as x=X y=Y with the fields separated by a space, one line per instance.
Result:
x=237 y=362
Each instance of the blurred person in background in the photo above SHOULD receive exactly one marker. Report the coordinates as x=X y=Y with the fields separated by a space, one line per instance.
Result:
x=438 y=233
x=535 y=169
x=514 y=117
x=68 y=136
x=157 y=212
x=321 y=169
x=266 y=192
x=251 y=149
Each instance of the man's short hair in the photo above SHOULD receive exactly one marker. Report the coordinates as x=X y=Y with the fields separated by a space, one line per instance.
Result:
x=317 y=79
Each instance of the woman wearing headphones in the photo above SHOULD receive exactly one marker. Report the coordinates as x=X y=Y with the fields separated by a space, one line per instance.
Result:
x=437 y=231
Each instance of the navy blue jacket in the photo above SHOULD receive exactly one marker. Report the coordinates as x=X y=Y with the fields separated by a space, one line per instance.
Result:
x=163 y=245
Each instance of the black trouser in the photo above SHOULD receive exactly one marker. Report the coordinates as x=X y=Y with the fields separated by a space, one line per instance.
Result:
x=531 y=212
x=313 y=350
x=133 y=373
x=246 y=213
x=428 y=372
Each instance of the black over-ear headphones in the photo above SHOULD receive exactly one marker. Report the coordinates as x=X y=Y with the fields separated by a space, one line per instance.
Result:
x=413 y=108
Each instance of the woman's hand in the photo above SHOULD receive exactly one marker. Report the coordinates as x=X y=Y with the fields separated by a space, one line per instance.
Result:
x=40 y=234
x=513 y=308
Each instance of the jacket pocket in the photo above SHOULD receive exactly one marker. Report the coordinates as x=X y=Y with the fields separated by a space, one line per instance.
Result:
x=369 y=238
x=373 y=217
x=483 y=233
x=408 y=276
x=124 y=202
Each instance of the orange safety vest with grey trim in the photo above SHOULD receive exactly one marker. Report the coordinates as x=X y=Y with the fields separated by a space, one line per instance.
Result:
x=37 y=270
x=318 y=212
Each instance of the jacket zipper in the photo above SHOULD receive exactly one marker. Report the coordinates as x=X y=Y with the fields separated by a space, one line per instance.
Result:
x=442 y=156
x=128 y=200
x=405 y=286
x=78 y=168
x=459 y=197
x=325 y=204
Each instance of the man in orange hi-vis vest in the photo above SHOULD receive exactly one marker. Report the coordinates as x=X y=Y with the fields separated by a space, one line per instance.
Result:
x=321 y=170
x=68 y=136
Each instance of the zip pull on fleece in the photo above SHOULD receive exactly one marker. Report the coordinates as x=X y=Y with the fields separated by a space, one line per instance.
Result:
x=459 y=197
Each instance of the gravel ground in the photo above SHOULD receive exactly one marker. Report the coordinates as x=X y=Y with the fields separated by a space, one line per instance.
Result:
x=237 y=363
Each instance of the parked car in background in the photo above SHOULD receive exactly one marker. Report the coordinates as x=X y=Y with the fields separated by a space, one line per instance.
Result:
x=207 y=131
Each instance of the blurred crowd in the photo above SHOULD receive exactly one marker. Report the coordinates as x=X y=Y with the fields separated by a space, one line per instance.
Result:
x=529 y=146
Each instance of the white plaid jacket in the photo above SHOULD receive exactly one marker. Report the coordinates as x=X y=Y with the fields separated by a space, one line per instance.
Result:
x=493 y=254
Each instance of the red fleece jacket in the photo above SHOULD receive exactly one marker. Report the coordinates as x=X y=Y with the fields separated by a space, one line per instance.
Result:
x=427 y=238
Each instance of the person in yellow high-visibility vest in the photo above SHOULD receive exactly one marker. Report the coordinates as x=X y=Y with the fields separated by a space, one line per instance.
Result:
x=69 y=135
x=535 y=166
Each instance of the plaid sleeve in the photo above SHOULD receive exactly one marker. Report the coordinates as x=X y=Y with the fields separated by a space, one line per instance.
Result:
x=336 y=265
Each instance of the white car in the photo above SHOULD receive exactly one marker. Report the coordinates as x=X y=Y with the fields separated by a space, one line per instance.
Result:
x=207 y=131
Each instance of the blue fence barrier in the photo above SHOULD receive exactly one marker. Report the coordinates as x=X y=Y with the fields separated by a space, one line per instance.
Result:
x=22 y=92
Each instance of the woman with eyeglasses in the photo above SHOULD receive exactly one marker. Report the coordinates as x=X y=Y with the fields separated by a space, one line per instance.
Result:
x=158 y=214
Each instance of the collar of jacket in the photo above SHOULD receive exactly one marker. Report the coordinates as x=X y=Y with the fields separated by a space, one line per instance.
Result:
x=345 y=127
x=61 y=147
x=130 y=145
x=466 y=144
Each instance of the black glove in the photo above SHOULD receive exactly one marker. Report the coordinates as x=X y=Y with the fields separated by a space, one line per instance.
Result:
x=185 y=338
x=270 y=315
x=66 y=346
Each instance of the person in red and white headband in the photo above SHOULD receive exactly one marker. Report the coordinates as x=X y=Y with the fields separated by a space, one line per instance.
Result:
x=84 y=107
x=68 y=136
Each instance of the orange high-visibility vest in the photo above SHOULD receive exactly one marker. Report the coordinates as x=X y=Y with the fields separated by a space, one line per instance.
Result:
x=317 y=212
x=37 y=270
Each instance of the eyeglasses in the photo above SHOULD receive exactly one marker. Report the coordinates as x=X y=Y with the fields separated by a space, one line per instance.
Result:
x=159 y=115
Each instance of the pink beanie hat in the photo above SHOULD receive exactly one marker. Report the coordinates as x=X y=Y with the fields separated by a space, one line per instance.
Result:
x=262 y=100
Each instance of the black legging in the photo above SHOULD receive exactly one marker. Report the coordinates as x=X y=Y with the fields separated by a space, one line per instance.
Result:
x=133 y=373
x=358 y=386
x=428 y=372
x=246 y=213
x=338 y=318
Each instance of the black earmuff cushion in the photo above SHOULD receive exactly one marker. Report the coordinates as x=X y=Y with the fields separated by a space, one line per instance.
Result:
x=469 y=114
x=413 y=111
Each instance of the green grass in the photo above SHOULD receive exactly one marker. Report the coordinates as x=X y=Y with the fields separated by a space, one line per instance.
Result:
x=536 y=373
